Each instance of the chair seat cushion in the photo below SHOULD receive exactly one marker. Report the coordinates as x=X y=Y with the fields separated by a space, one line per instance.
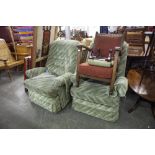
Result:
x=95 y=71
x=92 y=98
x=100 y=62
x=94 y=92
x=44 y=84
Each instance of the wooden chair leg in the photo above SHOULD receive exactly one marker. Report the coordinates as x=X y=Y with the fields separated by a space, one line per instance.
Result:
x=7 y=69
x=9 y=74
x=153 y=109
x=77 y=80
x=111 y=87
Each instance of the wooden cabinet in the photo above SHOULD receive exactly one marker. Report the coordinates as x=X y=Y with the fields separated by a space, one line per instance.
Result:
x=23 y=51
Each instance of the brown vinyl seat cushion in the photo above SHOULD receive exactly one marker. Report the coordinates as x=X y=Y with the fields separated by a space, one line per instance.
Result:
x=95 y=71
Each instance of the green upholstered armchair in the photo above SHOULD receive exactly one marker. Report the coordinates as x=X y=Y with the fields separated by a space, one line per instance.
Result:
x=93 y=98
x=49 y=86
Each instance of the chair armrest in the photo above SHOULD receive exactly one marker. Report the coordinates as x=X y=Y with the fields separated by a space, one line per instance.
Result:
x=115 y=65
x=3 y=59
x=121 y=86
x=64 y=79
x=118 y=50
x=35 y=72
x=27 y=65
x=80 y=53
x=83 y=46
x=73 y=79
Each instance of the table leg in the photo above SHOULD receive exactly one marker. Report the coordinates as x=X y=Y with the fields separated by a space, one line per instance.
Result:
x=153 y=109
x=135 y=105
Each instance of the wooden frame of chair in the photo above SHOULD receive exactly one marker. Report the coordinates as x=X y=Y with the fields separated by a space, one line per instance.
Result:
x=116 y=60
x=5 y=57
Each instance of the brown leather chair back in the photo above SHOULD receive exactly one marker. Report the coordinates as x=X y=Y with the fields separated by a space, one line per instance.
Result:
x=104 y=42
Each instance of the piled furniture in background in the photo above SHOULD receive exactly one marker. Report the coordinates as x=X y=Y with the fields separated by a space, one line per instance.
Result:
x=25 y=43
x=141 y=79
x=136 y=39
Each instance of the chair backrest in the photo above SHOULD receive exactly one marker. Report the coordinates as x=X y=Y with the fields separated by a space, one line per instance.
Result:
x=5 y=52
x=104 y=42
x=135 y=36
x=62 y=57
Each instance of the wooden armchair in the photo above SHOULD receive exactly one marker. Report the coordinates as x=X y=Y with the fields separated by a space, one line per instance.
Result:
x=105 y=55
x=7 y=61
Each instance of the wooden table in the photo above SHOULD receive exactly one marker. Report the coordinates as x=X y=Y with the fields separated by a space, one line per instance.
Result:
x=144 y=87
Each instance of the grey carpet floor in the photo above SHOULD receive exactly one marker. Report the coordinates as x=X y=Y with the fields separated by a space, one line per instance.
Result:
x=17 y=112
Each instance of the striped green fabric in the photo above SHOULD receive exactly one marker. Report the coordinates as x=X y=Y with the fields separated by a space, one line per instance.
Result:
x=121 y=86
x=97 y=110
x=44 y=84
x=45 y=102
x=94 y=92
x=62 y=57
x=123 y=60
x=92 y=97
x=35 y=72
x=49 y=87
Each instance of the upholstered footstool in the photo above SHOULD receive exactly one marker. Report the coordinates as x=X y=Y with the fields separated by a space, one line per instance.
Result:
x=94 y=99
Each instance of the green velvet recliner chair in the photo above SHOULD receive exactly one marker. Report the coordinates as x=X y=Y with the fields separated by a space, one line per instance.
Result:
x=93 y=98
x=49 y=86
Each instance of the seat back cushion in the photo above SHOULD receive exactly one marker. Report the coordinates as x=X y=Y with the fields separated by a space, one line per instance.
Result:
x=62 y=57
x=104 y=42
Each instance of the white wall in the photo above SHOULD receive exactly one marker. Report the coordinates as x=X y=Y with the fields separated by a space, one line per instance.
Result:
x=39 y=37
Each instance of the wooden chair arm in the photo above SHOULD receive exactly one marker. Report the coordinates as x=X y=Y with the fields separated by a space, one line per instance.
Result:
x=79 y=60
x=81 y=51
x=116 y=60
x=27 y=65
x=117 y=53
x=3 y=59
x=118 y=50
x=83 y=46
